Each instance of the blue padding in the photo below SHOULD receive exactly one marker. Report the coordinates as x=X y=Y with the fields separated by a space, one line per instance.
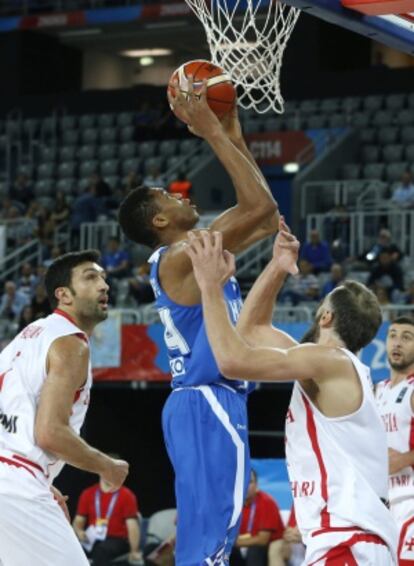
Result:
x=112 y=15
x=9 y=24
x=273 y=479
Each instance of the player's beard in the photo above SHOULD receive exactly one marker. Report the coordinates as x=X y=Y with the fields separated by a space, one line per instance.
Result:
x=403 y=364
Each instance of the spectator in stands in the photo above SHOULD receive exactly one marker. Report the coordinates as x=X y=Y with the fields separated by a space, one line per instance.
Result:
x=384 y=241
x=336 y=278
x=110 y=520
x=19 y=231
x=85 y=208
x=181 y=185
x=387 y=273
x=403 y=195
x=261 y=524
x=6 y=205
x=40 y=303
x=160 y=538
x=25 y=318
x=133 y=180
x=28 y=280
x=303 y=287
x=61 y=209
x=55 y=252
x=115 y=260
x=12 y=301
x=409 y=295
x=140 y=287
x=102 y=189
x=317 y=252
x=22 y=190
x=154 y=177
x=46 y=230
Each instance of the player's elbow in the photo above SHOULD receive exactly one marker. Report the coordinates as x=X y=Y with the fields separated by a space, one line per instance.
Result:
x=232 y=366
x=46 y=438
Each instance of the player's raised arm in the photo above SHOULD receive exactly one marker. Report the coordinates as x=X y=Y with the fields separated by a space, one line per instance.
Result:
x=255 y=205
x=255 y=321
x=67 y=371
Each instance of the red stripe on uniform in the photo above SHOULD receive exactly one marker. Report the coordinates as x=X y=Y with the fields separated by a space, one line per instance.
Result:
x=16 y=465
x=27 y=462
x=403 y=532
x=311 y=427
x=341 y=555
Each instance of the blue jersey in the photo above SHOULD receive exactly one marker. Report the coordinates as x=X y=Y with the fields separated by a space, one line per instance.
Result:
x=192 y=361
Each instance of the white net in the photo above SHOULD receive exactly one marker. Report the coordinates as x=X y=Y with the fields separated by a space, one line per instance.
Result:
x=248 y=38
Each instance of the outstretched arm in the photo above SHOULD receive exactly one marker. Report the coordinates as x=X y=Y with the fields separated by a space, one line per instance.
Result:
x=235 y=358
x=255 y=322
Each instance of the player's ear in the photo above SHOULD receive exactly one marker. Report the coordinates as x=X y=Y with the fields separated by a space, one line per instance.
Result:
x=63 y=296
x=326 y=318
x=160 y=220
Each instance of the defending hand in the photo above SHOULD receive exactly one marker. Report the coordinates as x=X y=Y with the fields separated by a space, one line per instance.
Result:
x=286 y=249
x=211 y=264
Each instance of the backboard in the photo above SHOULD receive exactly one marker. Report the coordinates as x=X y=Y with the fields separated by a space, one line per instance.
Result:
x=394 y=30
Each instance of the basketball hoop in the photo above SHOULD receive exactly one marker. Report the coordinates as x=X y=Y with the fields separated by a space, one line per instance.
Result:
x=247 y=38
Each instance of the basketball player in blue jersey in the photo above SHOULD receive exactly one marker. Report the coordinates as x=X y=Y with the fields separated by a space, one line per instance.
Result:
x=205 y=418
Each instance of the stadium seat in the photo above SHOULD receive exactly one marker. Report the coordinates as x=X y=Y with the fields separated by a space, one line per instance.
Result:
x=43 y=187
x=387 y=135
x=309 y=106
x=409 y=153
x=188 y=146
x=87 y=122
x=108 y=135
x=151 y=162
x=68 y=123
x=45 y=170
x=174 y=161
x=290 y=106
x=373 y=171
x=410 y=100
x=107 y=151
x=382 y=118
x=167 y=148
x=405 y=117
x=329 y=105
x=106 y=121
x=131 y=164
x=394 y=171
x=67 y=169
x=407 y=135
x=360 y=119
x=48 y=125
x=392 y=153
x=294 y=123
x=147 y=149
x=70 y=137
x=125 y=119
x=114 y=181
x=88 y=168
x=127 y=150
x=25 y=169
x=316 y=122
x=87 y=152
x=127 y=133
x=372 y=103
x=48 y=153
x=368 y=135
x=351 y=104
x=370 y=153
x=337 y=121
x=66 y=185
x=395 y=101
x=67 y=153
x=273 y=124
x=31 y=126
x=89 y=136
x=252 y=126
x=351 y=171
x=110 y=167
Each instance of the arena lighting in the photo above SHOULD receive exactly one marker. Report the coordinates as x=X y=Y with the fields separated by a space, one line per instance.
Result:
x=146 y=61
x=156 y=52
x=291 y=167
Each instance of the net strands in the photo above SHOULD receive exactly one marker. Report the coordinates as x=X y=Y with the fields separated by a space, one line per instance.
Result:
x=247 y=38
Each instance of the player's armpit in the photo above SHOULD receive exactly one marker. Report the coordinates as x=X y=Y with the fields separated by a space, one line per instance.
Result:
x=67 y=371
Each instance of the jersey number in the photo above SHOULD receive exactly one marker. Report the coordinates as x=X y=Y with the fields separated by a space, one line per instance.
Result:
x=173 y=339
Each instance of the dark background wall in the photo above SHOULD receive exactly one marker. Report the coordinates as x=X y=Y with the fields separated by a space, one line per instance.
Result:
x=128 y=422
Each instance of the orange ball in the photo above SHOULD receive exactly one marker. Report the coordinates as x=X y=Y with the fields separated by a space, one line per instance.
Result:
x=221 y=93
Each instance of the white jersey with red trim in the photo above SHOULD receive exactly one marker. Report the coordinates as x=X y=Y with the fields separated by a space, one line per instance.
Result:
x=394 y=404
x=338 y=467
x=22 y=374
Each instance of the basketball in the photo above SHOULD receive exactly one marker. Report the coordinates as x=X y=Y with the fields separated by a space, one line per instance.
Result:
x=221 y=93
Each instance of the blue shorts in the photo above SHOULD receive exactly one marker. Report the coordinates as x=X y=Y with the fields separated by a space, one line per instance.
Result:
x=205 y=432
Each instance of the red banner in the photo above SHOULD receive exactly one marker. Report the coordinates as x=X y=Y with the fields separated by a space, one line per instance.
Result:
x=53 y=20
x=277 y=148
x=138 y=358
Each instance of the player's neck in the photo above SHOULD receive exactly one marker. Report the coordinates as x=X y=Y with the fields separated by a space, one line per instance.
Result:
x=77 y=320
x=328 y=338
x=399 y=376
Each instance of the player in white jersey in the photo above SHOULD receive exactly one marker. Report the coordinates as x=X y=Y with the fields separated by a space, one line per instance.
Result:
x=336 y=445
x=45 y=378
x=395 y=399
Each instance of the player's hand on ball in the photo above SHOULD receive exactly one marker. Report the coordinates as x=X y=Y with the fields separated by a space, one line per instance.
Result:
x=211 y=264
x=115 y=473
x=286 y=249
x=192 y=107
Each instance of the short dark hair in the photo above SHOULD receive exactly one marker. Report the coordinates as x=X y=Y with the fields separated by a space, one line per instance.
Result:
x=135 y=216
x=59 y=273
x=357 y=314
x=403 y=320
